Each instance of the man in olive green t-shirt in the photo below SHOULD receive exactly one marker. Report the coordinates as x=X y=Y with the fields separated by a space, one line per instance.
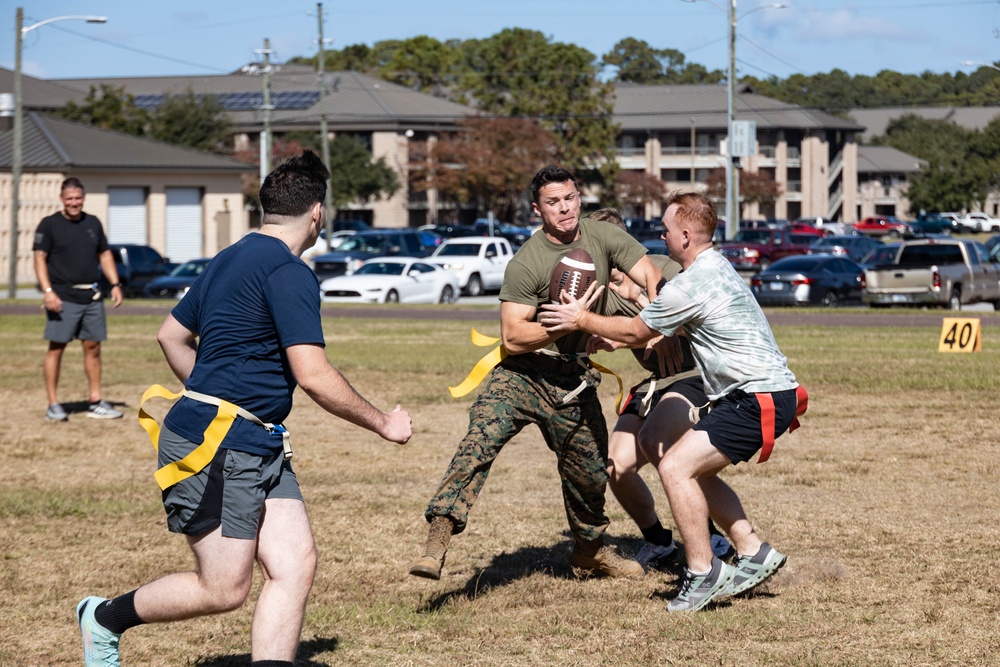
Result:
x=545 y=380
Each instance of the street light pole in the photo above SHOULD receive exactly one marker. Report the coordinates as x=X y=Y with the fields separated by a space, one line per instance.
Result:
x=15 y=167
x=324 y=129
x=732 y=170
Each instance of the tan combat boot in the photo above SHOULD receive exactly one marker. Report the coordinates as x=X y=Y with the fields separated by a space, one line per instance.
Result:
x=595 y=558
x=438 y=535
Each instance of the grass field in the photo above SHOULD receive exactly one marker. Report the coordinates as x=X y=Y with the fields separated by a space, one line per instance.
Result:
x=885 y=501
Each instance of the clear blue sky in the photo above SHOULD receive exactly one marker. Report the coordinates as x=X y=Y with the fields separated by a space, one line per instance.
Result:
x=179 y=37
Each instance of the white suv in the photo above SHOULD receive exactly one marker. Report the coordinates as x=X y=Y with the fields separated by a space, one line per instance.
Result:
x=478 y=261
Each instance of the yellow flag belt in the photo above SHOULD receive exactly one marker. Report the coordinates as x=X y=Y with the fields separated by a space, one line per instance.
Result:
x=215 y=433
x=498 y=354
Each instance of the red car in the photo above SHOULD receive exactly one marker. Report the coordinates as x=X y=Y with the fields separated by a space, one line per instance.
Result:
x=883 y=225
x=806 y=228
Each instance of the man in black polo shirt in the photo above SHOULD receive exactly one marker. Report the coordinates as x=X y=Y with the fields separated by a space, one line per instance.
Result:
x=69 y=247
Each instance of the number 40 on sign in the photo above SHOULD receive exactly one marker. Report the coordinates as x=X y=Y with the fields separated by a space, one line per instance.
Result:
x=960 y=334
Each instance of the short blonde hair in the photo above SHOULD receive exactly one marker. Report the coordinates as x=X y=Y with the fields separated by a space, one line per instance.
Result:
x=695 y=209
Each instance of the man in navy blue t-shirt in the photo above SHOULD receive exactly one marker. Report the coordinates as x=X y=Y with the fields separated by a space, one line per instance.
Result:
x=247 y=333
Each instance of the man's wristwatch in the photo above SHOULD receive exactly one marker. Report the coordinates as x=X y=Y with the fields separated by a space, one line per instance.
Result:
x=48 y=289
x=116 y=285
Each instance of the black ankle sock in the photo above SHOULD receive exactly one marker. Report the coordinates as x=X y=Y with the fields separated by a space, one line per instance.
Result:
x=118 y=615
x=657 y=534
x=271 y=663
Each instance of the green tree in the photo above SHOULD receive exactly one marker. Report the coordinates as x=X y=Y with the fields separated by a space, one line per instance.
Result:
x=191 y=120
x=956 y=176
x=421 y=63
x=109 y=107
x=638 y=62
x=519 y=72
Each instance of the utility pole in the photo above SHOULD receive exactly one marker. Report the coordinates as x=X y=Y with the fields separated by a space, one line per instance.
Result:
x=732 y=162
x=265 y=135
x=15 y=173
x=323 y=128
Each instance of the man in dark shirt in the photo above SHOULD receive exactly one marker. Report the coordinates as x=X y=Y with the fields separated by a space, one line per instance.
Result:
x=245 y=336
x=69 y=247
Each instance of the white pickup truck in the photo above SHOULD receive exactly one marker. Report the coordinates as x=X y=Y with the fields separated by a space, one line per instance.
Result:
x=932 y=272
x=980 y=222
x=478 y=261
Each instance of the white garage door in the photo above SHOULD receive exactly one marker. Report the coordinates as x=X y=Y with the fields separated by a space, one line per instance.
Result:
x=184 y=228
x=127 y=215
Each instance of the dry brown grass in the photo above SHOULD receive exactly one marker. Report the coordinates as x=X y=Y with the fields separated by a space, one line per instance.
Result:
x=885 y=502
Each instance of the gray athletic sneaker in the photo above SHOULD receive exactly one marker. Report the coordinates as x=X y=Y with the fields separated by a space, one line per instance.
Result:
x=752 y=571
x=697 y=590
x=56 y=413
x=655 y=556
x=103 y=410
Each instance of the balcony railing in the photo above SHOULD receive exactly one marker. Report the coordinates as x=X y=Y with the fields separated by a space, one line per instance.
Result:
x=793 y=153
x=767 y=151
x=630 y=151
x=793 y=186
x=686 y=150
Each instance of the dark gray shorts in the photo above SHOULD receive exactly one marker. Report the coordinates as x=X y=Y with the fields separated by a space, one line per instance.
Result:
x=77 y=320
x=230 y=491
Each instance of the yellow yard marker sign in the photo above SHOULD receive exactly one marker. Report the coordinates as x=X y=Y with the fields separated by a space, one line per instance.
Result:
x=960 y=334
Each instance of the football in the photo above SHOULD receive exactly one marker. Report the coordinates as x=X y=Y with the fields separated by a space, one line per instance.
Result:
x=574 y=273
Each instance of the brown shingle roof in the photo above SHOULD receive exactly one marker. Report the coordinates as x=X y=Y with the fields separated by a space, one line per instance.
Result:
x=40 y=95
x=354 y=100
x=671 y=108
x=54 y=143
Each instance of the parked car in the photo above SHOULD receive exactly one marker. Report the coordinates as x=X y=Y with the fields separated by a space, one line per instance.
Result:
x=137 y=266
x=655 y=247
x=824 y=280
x=393 y=280
x=883 y=254
x=804 y=228
x=515 y=235
x=980 y=222
x=931 y=272
x=883 y=225
x=932 y=223
x=756 y=249
x=854 y=246
x=176 y=284
x=478 y=261
x=643 y=229
x=353 y=252
x=992 y=246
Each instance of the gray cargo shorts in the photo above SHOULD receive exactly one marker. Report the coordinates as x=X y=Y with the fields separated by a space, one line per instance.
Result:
x=230 y=491
x=77 y=320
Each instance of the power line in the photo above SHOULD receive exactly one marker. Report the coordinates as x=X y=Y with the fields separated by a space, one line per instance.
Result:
x=141 y=51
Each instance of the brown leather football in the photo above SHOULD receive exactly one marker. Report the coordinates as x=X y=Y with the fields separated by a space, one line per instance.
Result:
x=574 y=273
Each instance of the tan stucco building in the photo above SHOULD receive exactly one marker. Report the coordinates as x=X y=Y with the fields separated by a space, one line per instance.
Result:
x=182 y=202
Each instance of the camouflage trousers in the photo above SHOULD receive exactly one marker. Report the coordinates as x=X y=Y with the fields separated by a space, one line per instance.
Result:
x=518 y=393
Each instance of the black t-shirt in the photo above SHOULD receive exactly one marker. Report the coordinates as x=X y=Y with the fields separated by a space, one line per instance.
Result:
x=73 y=249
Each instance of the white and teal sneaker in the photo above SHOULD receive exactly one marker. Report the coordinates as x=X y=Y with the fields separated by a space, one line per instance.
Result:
x=752 y=571
x=100 y=645
x=697 y=590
